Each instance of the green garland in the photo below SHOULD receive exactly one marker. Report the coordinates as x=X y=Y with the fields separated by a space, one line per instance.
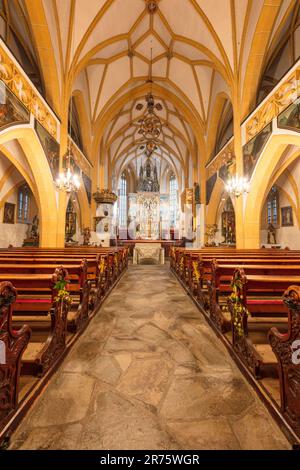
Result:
x=62 y=293
x=238 y=309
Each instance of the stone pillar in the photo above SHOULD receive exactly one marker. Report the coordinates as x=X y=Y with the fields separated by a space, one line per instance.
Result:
x=62 y=198
x=239 y=206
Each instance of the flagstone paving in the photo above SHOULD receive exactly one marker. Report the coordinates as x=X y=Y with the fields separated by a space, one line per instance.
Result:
x=148 y=373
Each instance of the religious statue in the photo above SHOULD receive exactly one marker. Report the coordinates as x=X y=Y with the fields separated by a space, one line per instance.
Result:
x=228 y=223
x=271 y=233
x=86 y=235
x=34 y=233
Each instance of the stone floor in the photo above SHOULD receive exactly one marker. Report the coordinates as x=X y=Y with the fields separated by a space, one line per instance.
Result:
x=148 y=373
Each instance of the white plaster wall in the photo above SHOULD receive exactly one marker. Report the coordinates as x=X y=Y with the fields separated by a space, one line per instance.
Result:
x=12 y=234
x=285 y=236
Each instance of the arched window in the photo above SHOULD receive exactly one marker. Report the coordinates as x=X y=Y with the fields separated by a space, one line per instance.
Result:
x=273 y=206
x=123 y=201
x=283 y=54
x=173 y=200
x=23 y=204
x=16 y=32
x=225 y=128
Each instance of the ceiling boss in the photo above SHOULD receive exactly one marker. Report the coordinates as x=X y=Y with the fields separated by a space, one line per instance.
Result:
x=152 y=6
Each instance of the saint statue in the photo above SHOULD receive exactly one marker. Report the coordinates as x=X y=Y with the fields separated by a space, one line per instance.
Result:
x=271 y=233
x=35 y=227
x=86 y=236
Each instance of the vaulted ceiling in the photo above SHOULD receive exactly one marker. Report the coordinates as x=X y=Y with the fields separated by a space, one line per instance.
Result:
x=203 y=50
x=175 y=145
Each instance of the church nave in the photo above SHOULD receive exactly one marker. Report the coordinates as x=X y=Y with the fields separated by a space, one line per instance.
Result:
x=148 y=373
x=149 y=228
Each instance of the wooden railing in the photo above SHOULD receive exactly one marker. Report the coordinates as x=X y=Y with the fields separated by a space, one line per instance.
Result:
x=282 y=96
x=14 y=77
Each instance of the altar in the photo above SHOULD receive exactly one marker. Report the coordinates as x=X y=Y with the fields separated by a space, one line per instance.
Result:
x=148 y=212
x=148 y=253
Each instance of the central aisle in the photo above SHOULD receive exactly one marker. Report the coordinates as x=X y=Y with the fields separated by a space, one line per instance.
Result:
x=148 y=373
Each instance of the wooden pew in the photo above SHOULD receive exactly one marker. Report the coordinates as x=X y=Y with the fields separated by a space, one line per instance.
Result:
x=104 y=264
x=12 y=346
x=180 y=256
x=193 y=267
x=78 y=286
x=117 y=257
x=286 y=348
x=41 y=301
x=255 y=306
x=262 y=333
x=219 y=286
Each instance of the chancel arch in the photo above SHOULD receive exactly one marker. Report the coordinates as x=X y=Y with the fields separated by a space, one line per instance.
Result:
x=41 y=180
x=281 y=207
x=260 y=185
x=18 y=207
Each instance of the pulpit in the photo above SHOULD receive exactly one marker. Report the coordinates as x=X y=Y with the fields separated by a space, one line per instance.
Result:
x=148 y=253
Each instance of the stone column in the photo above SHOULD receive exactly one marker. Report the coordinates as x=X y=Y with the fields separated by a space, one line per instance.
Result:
x=62 y=198
x=239 y=206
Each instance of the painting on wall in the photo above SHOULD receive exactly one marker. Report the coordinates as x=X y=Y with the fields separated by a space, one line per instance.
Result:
x=9 y=213
x=88 y=186
x=197 y=198
x=210 y=183
x=50 y=147
x=287 y=216
x=290 y=117
x=12 y=111
x=254 y=148
x=70 y=160
x=223 y=173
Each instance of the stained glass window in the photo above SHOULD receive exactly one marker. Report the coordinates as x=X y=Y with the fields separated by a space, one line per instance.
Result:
x=272 y=206
x=123 y=201
x=23 y=204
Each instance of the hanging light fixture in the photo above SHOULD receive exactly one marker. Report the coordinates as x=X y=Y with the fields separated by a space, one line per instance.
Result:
x=150 y=125
x=68 y=180
x=152 y=6
x=237 y=185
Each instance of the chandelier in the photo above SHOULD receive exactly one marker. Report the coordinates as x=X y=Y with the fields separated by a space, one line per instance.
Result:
x=68 y=180
x=149 y=147
x=152 y=6
x=150 y=125
x=237 y=185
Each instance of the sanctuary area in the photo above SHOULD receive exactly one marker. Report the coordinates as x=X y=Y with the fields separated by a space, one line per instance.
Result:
x=149 y=225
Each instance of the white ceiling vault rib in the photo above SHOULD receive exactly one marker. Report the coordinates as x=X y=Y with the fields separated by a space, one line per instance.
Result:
x=199 y=47
x=105 y=32
x=122 y=140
